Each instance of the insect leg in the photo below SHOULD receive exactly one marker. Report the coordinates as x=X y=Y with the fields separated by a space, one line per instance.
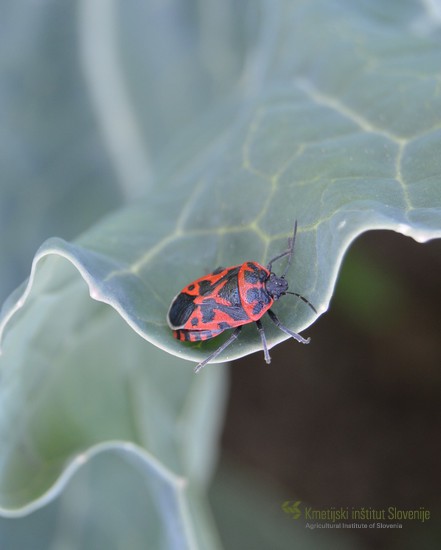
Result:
x=263 y=338
x=215 y=353
x=278 y=324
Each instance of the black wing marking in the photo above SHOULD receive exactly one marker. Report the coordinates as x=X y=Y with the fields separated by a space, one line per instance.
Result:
x=180 y=310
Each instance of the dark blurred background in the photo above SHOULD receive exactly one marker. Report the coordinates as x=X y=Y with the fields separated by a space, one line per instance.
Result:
x=354 y=418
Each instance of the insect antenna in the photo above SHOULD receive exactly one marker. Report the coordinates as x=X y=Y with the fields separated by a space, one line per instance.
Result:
x=289 y=252
x=291 y=244
x=302 y=298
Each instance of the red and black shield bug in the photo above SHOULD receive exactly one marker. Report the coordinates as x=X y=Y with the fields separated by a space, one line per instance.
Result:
x=232 y=297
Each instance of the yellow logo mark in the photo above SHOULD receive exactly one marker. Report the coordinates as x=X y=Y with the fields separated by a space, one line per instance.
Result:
x=291 y=507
